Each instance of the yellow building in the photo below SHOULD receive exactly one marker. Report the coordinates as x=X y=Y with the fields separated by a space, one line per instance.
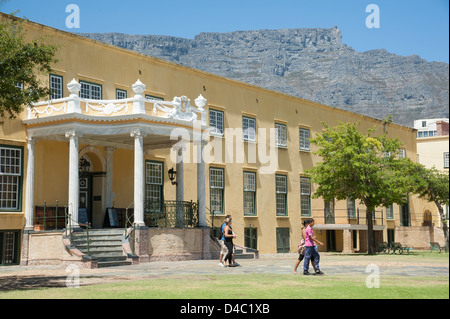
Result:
x=115 y=126
x=432 y=151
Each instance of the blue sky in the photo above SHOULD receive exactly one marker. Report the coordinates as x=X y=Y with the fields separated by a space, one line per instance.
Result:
x=406 y=26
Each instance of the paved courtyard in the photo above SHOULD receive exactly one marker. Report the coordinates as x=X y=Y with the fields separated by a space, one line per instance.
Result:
x=29 y=277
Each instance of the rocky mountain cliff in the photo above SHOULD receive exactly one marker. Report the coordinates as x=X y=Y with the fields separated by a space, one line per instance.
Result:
x=312 y=64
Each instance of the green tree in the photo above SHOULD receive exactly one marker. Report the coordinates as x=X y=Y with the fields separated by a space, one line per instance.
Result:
x=21 y=63
x=357 y=166
x=433 y=185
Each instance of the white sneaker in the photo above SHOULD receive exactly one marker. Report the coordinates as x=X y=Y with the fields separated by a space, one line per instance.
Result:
x=221 y=265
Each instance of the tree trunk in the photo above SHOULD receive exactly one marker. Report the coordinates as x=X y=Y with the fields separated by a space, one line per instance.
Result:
x=444 y=223
x=370 y=233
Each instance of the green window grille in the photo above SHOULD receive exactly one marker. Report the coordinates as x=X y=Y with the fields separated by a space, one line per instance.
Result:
x=90 y=91
x=11 y=161
x=248 y=129
x=249 y=194
x=329 y=212
x=304 y=139
x=216 y=121
x=281 y=195
x=121 y=94
x=9 y=247
x=305 y=196
x=217 y=187
x=56 y=86
x=154 y=185
x=280 y=135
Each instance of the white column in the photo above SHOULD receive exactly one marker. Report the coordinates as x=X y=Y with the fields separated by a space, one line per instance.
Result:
x=138 y=177
x=74 y=181
x=109 y=198
x=139 y=104
x=180 y=187
x=180 y=175
x=29 y=192
x=201 y=181
x=73 y=105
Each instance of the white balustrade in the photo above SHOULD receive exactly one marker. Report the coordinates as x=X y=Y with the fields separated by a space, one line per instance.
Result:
x=179 y=108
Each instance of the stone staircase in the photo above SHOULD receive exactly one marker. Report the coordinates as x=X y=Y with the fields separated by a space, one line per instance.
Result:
x=105 y=246
x=241 y=252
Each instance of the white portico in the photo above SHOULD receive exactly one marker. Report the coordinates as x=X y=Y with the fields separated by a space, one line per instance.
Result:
x=136 y=123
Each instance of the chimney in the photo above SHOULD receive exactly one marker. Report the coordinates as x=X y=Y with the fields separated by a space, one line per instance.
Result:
x=442 y=128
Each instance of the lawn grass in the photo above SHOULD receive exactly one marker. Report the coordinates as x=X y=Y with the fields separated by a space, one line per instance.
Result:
x=231 y=285
x=250 y=286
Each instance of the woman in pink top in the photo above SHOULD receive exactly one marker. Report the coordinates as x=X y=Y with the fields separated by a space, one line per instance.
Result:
x=301 y=247
x=310 y=250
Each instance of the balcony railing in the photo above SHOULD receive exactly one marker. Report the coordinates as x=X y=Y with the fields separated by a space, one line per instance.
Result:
x=179 y=108
x=167 y=214
x=50 y=217
x=171 y=214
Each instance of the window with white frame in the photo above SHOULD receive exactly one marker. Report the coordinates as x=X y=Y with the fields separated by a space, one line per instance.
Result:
x=121 y=94
x=56 y=87
x=281 y=194
x=304 y=139
x=90 y=91
x=305 y=196
x=280 y=135
x=10 y=178
x=217 y=187
x=446 y=160
x=154 y=185
x=402 y=153
x=249 y=194
x=248 y=129
x=216 y=122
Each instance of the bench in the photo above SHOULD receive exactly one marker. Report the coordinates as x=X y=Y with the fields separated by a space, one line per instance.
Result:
x=382 y=247
x=396 y=246
x=435 y=246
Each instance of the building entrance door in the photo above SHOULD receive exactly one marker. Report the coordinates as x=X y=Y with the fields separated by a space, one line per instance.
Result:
x=85 y=201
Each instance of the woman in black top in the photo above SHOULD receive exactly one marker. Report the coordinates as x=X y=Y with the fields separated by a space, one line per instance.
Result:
x=229 y=235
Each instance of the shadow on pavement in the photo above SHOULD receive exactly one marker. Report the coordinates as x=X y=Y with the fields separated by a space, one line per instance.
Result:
x=31 y=282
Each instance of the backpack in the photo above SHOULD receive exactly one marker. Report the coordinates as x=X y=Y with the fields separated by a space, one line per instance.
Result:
x=219 y=237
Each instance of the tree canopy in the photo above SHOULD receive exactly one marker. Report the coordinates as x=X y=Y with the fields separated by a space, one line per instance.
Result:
x=360 y=166
x=21 y=64
x=433 y=185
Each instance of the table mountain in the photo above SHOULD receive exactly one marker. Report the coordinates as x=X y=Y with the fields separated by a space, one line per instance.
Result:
x=312 y=64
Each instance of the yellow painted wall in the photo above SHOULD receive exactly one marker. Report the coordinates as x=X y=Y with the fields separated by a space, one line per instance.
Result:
x=112 y=67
